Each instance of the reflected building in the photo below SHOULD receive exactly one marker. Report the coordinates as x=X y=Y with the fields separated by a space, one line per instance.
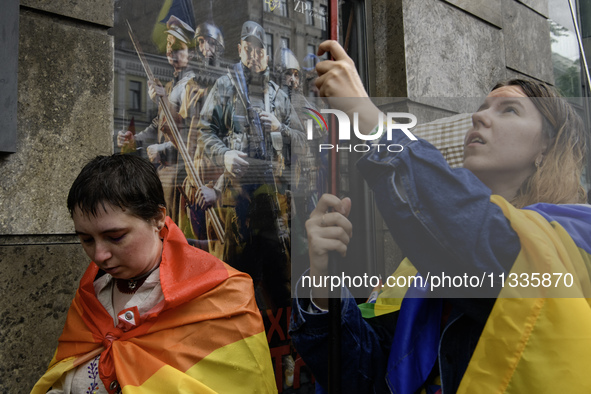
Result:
x=298 y=25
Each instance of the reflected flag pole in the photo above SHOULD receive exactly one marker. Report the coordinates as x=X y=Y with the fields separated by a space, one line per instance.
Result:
x=334 y=301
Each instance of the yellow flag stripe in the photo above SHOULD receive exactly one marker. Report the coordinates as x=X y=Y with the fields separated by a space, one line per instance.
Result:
x=52 y=375
x=245 y=364
x=539 y=344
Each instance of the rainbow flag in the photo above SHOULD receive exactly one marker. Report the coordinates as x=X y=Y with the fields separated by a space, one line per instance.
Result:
x=206 y=336
x=389 y=299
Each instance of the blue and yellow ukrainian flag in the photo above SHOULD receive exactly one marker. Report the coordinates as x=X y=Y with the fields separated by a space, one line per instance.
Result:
x=537 y=339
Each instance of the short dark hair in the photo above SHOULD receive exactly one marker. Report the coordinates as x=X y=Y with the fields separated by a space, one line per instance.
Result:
x=125 y=181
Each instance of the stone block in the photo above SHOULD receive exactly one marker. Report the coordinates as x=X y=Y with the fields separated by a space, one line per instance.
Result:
x=449 y=53
x=428 y=113
x=540 y=6
x=388 y=49
x=65 y=117
x=512 y=74
x=95 y=11
x=488 y=10
x=38 y=285
x=423 y=113
x=527 y=41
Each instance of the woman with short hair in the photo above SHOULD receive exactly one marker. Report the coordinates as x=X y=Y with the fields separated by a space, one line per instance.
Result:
x=152 y=313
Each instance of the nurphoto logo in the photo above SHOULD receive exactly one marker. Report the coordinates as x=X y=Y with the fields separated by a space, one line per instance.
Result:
x=344 y=130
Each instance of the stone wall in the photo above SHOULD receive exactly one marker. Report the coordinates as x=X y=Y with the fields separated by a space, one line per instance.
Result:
x=65 y=112
x=433 y=50
x=457 y=48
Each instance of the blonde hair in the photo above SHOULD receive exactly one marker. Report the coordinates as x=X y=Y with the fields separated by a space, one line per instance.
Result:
x=557 y=179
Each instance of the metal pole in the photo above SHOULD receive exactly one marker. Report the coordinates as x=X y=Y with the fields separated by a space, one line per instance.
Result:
x=334 y=302
x=585 y=66
x=580 y=41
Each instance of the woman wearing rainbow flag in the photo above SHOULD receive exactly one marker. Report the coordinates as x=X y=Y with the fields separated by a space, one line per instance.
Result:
x=515 y=213
x=152 y=314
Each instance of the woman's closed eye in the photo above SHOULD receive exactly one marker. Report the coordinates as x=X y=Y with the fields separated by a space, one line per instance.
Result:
x=113 y=238
x=117 y=238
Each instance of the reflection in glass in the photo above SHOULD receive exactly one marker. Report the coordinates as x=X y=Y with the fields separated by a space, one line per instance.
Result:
x=565 y=50
x=135 y=93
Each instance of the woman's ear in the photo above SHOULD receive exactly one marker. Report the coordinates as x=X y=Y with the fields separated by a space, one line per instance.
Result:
x=539 y=160
x=545 y=148
x=161 y=218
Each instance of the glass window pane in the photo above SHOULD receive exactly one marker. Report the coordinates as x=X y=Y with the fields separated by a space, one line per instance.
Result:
x=283 y=8
x=323 y=16
x=269 y=44
x=309 y=11
x=135 y=95
x=566 y=57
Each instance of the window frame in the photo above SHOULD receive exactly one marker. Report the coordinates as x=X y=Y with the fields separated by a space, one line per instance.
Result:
x=9 y=21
